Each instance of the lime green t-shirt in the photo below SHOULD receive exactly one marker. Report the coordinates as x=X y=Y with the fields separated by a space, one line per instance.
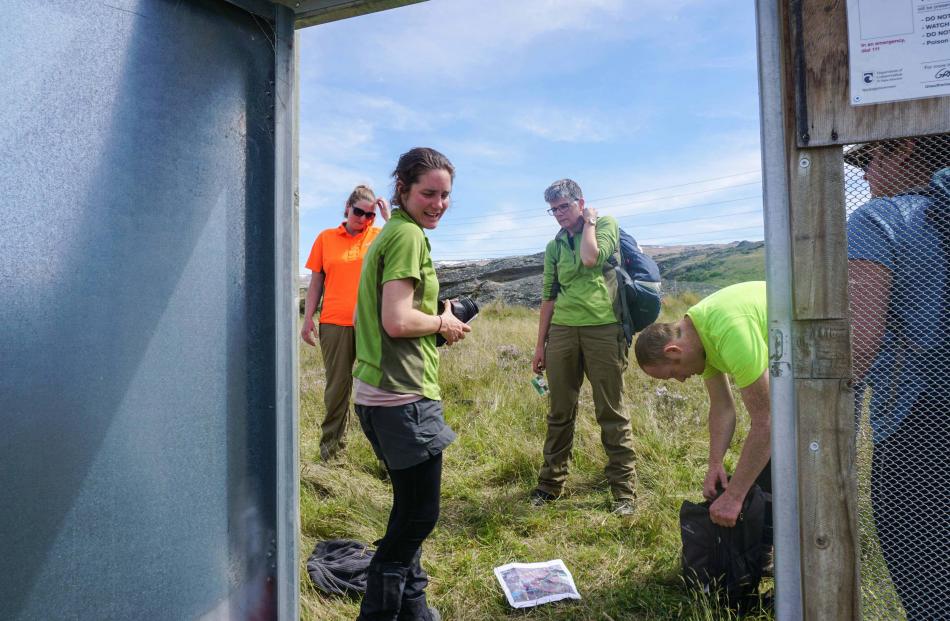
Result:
x=733 y=326
x=584 y=296
x=403 y=365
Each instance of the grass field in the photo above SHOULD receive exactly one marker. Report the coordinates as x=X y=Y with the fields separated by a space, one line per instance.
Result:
x=625 y=568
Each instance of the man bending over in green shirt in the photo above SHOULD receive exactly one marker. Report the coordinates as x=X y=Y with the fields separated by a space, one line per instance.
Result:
x=580 y=334
x=726 y=333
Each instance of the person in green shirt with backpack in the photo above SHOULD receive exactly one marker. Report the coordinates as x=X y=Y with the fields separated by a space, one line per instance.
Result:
x=579 y=334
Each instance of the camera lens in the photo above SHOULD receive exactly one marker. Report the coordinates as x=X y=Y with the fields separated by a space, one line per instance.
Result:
x=463 y=308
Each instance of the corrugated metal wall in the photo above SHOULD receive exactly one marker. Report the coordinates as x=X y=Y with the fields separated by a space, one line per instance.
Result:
x=137 y=311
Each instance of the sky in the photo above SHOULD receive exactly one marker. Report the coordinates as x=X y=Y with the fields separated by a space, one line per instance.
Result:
x=650 y=105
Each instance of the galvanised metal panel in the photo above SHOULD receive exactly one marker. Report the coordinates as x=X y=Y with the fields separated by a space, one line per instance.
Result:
x=137 y=311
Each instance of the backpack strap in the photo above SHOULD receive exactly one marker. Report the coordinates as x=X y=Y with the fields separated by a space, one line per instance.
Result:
x=556 y=285
x=626 y=319
x=615 y=261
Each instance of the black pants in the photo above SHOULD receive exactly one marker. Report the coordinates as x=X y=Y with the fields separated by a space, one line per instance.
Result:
x=910 y=496
x=396 y=582
x=415 y=511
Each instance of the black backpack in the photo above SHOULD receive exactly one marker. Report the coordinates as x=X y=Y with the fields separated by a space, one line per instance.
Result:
x=638 y=282
x=726 y=562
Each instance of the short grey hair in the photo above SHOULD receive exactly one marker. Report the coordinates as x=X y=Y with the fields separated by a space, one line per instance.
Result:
x=563 y=188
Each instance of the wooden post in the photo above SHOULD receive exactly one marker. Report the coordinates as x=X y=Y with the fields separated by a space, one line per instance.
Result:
x=830 y=543
x=819 y=120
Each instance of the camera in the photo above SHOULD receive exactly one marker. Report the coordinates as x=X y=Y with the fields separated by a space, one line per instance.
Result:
x=464 y=308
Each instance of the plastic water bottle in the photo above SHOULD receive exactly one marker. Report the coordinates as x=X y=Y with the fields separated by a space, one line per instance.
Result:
x=540 y=384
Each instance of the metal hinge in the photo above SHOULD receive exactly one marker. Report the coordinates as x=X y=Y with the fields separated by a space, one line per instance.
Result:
x=778 y=353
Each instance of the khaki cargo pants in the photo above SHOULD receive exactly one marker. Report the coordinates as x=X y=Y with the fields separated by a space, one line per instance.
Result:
x=338 y=346
x=600 y=353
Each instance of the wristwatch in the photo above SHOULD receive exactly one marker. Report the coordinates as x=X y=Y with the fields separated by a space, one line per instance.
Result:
x=592 y=220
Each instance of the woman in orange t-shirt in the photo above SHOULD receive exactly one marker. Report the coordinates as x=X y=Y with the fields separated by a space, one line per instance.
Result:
x=335 y=262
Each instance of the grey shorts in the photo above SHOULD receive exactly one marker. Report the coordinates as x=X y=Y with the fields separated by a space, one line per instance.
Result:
x=404 y=436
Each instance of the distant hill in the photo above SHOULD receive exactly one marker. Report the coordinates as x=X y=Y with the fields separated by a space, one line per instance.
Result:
x=517 y=280
x=714 y=265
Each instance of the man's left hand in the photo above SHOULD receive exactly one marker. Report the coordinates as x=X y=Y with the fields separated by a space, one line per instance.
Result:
x=725 y=510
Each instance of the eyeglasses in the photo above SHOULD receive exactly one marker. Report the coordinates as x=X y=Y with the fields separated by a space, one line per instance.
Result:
x=555 y=210
x=359 y=213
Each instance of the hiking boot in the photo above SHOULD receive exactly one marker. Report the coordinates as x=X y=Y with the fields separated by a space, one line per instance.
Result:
x=539 y=497
x=624 y=508
x=417 y=610
x=384 y=587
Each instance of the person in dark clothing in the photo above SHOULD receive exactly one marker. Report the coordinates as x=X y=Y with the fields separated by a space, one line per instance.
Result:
x=899 y=278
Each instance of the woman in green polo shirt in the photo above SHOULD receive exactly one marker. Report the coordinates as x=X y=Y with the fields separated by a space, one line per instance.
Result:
x=396 y=381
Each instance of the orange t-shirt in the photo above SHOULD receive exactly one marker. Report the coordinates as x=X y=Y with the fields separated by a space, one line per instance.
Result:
x=339 y=256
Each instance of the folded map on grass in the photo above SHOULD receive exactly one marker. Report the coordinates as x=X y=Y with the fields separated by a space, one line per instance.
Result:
x=530 y=584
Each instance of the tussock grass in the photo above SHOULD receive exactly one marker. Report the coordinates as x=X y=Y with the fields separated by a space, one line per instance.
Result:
x=625 y=568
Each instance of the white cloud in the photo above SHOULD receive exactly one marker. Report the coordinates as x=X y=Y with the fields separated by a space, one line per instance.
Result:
x=513 y=90
x=326 y=186
x=370 y=108
x=564 y=125
x=326 y=180
x=457 y=41
x=486 y=238
x=485 y=152
x=345 y=138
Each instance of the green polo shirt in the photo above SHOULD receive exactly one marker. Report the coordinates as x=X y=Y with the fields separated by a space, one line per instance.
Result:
x=403 y=365
x=583 y=296
x=733 y=326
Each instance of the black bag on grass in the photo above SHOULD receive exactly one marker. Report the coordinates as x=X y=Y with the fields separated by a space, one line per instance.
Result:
x=338 y=566
x=724 y=561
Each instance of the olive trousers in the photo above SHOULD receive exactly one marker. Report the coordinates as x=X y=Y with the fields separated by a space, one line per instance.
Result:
x=600 y=354
x=338 y=346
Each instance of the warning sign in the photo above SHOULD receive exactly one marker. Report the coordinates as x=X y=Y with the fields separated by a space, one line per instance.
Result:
x=898 y=49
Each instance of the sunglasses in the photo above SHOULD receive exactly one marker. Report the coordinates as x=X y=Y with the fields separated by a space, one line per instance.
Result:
x=559 y=208
x=359 y=213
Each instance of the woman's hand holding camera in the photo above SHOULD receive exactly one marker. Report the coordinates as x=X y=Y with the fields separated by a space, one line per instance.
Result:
x=452 y=328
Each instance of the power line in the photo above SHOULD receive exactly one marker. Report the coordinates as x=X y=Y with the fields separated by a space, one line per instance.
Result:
x=554 y=229
x=650 y=242
x=679 y=241
x=542 y=215
x=670 y=187
x=665 y=187
x=640 y=226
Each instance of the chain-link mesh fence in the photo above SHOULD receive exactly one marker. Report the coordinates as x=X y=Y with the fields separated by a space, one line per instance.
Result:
x=898 y=200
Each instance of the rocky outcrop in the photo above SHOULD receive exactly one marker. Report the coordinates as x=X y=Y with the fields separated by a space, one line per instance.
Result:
x=512 y=280
x=517 y=280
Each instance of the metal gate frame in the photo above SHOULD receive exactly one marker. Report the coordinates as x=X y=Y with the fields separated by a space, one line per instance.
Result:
x=806 y=119
x=288 y=16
